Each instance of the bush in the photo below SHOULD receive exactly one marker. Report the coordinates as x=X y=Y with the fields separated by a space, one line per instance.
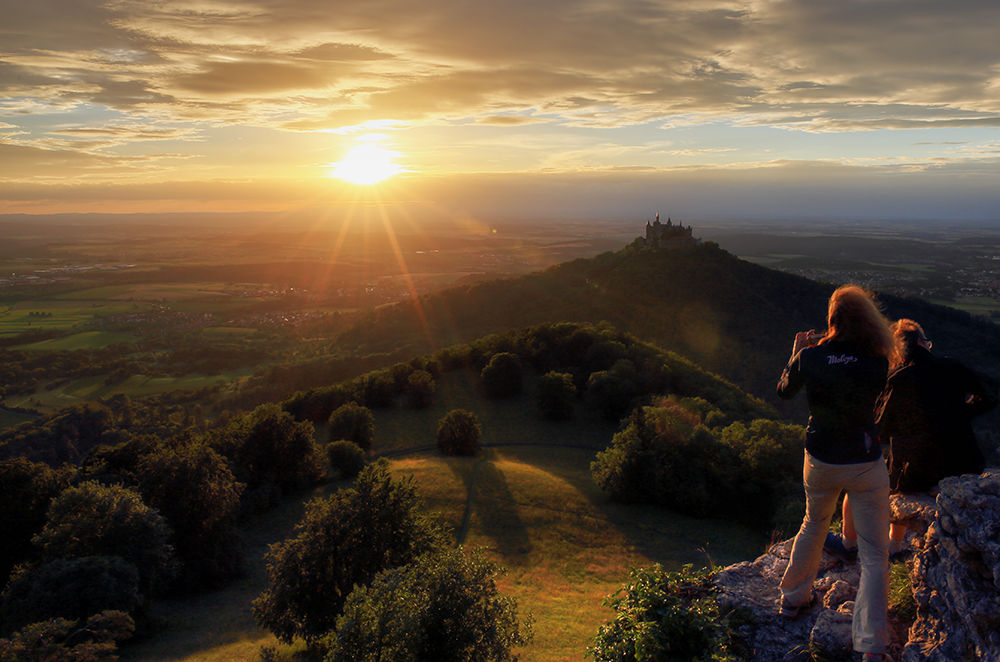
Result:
x=93 y=639
x=270 y=450
x=420 y=389
x=613 y=391
x=556 y=394
x=27 y=488
x=343 y=541
x=665 y=456
x=193 y=487
x=72 y=589
x=503 y=376
x=353 y=422
x=458 y=433
x=345 y=457
x=94 y=520
x=667 y=616
x=444 y=607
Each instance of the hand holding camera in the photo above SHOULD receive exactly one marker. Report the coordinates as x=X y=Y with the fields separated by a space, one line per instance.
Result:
x=805 y=339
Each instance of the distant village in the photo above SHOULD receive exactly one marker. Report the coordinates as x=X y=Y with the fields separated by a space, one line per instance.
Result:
x=55 y=274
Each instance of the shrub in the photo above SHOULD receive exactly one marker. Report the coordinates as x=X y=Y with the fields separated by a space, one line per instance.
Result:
x=556 y=394
x=458 y=433
x=612 y=391
x=667 y=616
x=503 y=376
x=345 y=457
x=270 y=450
x=193 y=487
x=72 y=589
x=94 y=520
x=343 y=541
x=27 y=488
x=420 y=389
x=664 y=456
x=86 y=640
x=444 y=607
x=354 y=422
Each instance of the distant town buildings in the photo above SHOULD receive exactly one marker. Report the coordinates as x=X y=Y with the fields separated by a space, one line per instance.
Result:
x=668 y=235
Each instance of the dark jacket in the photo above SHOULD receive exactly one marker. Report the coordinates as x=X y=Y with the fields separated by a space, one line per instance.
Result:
x=842 y=386
x=926 y=417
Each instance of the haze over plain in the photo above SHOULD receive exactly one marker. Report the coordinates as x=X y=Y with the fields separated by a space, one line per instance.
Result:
x=738 y=109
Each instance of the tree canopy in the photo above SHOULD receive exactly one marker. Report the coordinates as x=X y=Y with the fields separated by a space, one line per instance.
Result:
x=343 y=540
x=443 y=607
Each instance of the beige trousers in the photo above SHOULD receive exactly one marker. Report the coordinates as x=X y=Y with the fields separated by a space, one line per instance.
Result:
x=868 y=486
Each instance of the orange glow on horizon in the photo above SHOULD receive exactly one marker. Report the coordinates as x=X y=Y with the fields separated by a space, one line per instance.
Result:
x=367 y=164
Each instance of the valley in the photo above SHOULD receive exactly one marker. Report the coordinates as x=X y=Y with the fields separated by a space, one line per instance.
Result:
x=194 y=329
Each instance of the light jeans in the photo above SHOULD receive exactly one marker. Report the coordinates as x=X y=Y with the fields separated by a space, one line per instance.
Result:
x=868 y=486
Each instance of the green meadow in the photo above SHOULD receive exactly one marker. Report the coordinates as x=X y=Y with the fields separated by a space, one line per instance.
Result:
x=84 y=340
x=88 y=389
x=974 y=305
x=528 y=499
x=564 y=547
x=51 y=315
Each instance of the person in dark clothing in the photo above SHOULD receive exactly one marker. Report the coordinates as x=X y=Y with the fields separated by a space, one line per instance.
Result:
x=843 y=373
x=926 y=414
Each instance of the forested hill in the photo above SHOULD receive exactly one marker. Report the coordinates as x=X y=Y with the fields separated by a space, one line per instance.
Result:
x=727 y=315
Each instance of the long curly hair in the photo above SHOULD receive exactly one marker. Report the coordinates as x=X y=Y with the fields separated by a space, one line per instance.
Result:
x=854 y=316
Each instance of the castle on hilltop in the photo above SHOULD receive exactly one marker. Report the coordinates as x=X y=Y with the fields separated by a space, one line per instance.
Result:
x=668 y=235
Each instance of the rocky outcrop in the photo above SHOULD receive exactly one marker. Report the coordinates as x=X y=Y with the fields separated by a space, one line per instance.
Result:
x=955 y=573
x=753 y=586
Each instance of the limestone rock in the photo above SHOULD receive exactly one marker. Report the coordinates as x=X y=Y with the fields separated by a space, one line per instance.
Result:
x=832 y=633
x=955 y=575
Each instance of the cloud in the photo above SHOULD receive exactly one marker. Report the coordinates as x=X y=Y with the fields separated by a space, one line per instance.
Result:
x=251 y=78
x=636 y=60
x=93 y=77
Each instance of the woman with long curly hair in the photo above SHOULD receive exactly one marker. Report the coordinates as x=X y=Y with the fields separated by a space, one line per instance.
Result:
x=843 y=372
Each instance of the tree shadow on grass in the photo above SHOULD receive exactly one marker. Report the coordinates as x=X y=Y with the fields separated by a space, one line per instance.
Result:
x=492 y=507
x=650 y=531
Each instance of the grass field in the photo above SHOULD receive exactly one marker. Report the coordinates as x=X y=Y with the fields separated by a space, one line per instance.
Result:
x=85 y=340
x=536 y=512
x=528 y=499
x=9 y=419
x=88 y=389
x=974 y=305
x=55 y=315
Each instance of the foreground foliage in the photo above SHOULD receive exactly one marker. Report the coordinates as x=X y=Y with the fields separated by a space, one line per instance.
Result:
x=88 y=640
x=343 y=541
x=667 y=455
x=443 y=607
x=112 y=521
x=667 y=617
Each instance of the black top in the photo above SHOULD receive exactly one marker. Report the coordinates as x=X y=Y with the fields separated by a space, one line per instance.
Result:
x=842 y=385
x=926 y=416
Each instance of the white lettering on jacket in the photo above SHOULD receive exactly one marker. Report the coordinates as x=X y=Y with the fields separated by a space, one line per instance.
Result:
x=843 y=358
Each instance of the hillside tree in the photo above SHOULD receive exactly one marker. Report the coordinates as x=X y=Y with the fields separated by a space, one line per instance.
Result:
x=444 y=607
x=353 y=422
x=97 y=520
x=556 y=394
x=342 y=541
x=503 y=376
x=458 y=433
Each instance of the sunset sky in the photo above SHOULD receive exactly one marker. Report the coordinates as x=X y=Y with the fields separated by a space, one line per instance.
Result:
x=546 y=108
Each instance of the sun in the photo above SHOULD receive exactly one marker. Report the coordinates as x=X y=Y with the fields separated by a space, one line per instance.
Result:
x=367 y=164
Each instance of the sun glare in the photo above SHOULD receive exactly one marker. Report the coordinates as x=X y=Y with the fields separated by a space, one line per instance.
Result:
x=366 y=164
